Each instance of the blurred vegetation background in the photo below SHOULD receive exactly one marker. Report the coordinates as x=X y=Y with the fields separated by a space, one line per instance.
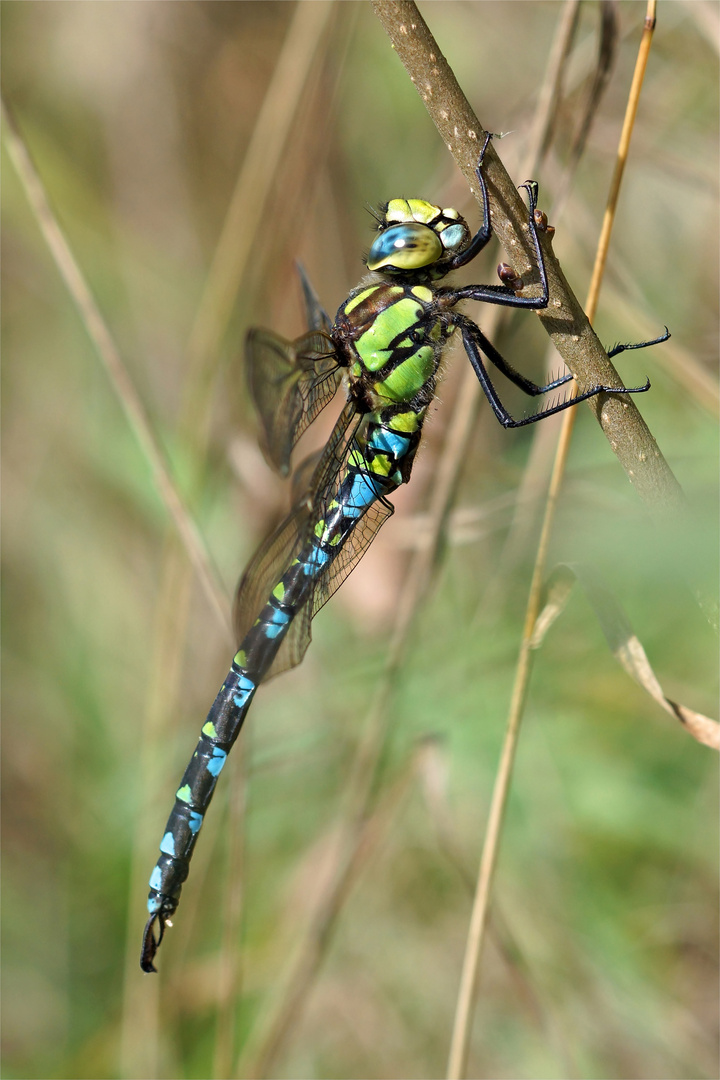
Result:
x=140 y=118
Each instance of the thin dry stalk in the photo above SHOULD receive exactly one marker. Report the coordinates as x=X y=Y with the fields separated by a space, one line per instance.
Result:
x=607 y=47
x=229 y=958
x=462 y=1030
x=543 y=126
x=432 y=776
x=246 y=215
x=284 y=1013
x=258 y=1060
x=115 y=369
x=268 y=144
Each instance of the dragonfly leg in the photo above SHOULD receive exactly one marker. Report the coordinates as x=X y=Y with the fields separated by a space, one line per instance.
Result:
x=505 y=294
x=639 y=344
x=527 y=385
x=482 y=236
x=531 y=388
x=475 y=344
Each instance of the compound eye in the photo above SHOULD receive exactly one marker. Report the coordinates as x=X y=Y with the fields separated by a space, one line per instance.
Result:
x=405 y=247
x=454 y=236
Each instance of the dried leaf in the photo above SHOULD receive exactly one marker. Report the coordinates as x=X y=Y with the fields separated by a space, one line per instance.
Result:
x=623 y=643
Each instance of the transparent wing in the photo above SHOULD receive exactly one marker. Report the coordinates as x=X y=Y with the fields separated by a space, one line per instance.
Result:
x=290 y=382
x=265 y=569
x=276 y=554
x=351 y=553
x=301 y=481
x=317 y=317
x=299 y=635
x=325 y=488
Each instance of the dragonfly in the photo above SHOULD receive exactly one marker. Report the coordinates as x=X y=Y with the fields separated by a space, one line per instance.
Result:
x=386 y=345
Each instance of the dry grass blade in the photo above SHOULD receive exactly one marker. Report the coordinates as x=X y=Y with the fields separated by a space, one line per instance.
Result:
x=462 y=1030
x=433 y=778
x=607 y=47
x=117 y=372
x=259 y=1058
x=623 y=642
x=241 y=227
x=273 y=128
x=551 y=90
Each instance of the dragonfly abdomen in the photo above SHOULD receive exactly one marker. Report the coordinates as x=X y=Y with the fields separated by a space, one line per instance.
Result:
x=373 y=470
x=196 y=789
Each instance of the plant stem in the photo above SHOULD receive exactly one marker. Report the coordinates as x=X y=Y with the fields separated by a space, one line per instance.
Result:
x=564 y=318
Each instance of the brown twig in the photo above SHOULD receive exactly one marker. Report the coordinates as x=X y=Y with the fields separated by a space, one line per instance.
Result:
x=564 y=319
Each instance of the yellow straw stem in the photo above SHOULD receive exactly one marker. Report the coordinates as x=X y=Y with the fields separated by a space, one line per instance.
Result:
x=462 y=1029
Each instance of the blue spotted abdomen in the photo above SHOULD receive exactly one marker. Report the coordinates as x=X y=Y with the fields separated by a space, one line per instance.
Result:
x=196 y=789
x=378 y=463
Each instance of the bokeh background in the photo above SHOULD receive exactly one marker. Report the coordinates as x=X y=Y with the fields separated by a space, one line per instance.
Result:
x=142 y=118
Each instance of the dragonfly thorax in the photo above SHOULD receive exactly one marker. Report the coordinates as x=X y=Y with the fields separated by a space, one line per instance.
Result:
x=392 y=335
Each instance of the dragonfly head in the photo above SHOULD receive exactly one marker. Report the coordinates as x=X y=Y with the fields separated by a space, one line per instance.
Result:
x=413 y=235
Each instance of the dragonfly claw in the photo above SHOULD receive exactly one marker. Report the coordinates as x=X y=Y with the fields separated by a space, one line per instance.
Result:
x=150 y=944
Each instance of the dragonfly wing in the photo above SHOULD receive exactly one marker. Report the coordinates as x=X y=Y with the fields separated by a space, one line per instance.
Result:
x=276 y=554
x=290 y=382
x=302 y=477
x=325 y=487
x=317 y=317
x=299 y=635
x=266 y=568
x=351 y=552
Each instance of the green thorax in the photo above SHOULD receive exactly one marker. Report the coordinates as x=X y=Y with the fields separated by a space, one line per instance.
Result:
x=393 y=338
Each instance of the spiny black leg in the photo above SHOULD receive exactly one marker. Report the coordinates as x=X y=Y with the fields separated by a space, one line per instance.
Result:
x=484 y=233
x=471 y=334
x=504 y=294
x=529 y=387
x=639 y=344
